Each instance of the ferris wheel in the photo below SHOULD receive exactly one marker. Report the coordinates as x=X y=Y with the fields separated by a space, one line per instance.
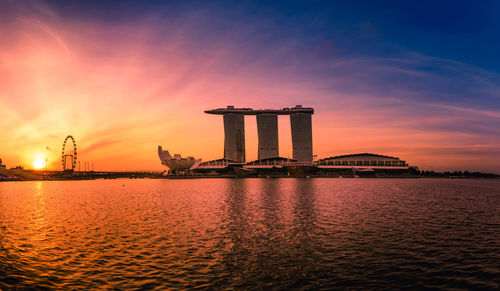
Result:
x=71 y=166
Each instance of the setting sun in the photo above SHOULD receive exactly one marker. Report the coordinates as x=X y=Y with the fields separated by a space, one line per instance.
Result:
x=39 y=163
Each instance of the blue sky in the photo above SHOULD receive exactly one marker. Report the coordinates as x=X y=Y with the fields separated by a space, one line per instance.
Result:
x=415 y=79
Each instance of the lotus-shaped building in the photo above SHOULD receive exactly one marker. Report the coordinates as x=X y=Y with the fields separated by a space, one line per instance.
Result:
x=177 y=163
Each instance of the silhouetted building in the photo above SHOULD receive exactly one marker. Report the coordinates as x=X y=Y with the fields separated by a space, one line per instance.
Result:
x=302 y=136
x=234 y=137
x=177 y=163
x=365 y=160
x=267 y=127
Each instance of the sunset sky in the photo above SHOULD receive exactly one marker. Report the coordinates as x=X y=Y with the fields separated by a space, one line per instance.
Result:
x=419 y=80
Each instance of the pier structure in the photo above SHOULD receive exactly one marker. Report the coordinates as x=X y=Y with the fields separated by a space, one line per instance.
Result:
x=267 y=130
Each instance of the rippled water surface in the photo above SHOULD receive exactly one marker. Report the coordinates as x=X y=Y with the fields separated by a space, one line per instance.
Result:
x=251 y=234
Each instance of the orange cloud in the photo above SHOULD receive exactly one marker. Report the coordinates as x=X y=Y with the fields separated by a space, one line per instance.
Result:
x=123 y=89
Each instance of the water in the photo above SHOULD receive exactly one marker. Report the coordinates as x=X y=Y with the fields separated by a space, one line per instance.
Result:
x=250 y=234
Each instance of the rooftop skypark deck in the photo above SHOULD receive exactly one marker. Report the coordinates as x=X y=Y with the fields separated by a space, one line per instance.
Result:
x=250 y=111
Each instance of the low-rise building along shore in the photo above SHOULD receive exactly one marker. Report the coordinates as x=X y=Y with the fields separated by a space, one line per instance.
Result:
x=364 y=164
x=364 y=160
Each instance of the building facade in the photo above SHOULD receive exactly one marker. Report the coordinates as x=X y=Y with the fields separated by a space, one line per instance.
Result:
x=302 y=137
x=267 y=129
x=234 y=137
x=364 y=160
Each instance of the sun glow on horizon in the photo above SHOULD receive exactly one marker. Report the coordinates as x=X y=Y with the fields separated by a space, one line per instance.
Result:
x=39 y=162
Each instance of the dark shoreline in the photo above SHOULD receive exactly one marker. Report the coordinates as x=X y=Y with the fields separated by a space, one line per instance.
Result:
x=180 y=177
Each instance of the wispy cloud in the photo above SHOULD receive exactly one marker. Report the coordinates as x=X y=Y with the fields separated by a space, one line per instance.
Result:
x=124 y=86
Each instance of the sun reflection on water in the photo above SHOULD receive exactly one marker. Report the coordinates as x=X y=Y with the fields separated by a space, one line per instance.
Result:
x=36 y=228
